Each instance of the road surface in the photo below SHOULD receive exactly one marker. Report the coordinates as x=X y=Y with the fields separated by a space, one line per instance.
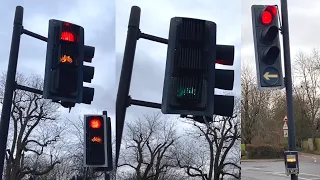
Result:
x=264 y=169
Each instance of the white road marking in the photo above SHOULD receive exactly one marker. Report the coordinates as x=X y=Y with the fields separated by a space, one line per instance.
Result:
x=284 y=175
x=310 y=175
x=314 y=158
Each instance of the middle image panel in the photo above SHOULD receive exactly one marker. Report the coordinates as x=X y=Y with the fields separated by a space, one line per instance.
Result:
x=178 y=102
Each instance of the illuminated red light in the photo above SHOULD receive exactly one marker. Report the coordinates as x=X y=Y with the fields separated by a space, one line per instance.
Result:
x=67 y=36
x=268 y=14
x=266 y=17
x=95 y=123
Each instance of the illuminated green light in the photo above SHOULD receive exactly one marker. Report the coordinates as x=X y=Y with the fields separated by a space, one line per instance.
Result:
x=186 y=91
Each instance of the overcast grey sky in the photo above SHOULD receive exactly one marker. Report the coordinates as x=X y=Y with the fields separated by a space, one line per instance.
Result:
x=150 y=58
x=98 y=19
x=303 y=28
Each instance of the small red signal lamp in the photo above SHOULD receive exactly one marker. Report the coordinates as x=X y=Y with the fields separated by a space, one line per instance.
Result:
x=67 y=36
x=268 y=14
x=95 y=123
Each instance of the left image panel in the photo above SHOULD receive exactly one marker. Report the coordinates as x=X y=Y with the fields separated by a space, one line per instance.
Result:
x=57 y=94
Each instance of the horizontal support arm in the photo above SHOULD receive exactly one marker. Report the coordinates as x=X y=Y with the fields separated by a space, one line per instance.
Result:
x=153 y=38
x=143 y=103
x=32 y=34
x=29 y=89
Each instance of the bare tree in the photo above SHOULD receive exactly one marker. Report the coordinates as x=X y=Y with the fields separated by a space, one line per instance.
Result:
x=307 y=76
x=34 y=128
x=254 y=105
x=148 y=143
x=217 y=155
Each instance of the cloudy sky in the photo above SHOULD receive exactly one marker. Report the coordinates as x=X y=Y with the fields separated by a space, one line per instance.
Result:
x=98 y=19
x=302 y=27
x=149 y=67
x=105 y=24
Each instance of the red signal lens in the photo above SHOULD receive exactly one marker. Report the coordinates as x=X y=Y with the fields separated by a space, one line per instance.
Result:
x=266 y=17
x=67 y=36
x=268 y=14
x=95 y=123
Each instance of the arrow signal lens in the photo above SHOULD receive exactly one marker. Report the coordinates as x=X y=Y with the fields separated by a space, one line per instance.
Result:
x=95 y=123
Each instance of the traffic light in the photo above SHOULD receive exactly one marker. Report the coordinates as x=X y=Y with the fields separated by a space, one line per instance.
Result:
x=265 y=23
x=95 y=152
x=189 y=74
x=65 y=71
x=64 y=58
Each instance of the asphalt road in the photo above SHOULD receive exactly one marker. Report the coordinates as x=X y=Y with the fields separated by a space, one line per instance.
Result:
x=266 y=169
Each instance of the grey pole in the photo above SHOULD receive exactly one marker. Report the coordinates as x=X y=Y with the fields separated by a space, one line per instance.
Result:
x=10 y=83
x=288 y=78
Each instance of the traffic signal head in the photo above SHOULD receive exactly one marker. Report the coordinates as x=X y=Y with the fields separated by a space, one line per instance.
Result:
x=88 y=73
x=95 y=141
x=189 y=73
x=265 y=23
x=224 y=79
x=64 y=58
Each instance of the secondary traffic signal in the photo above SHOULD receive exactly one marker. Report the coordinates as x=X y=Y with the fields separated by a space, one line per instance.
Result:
x=265 y=25
x=88 y=73
x=189 y=74
x=95 y=153
x=64 y=62
x=65 y=71
x=224 y=80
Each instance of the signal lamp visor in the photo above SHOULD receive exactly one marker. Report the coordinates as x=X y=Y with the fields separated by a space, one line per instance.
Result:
x=272 y=9
x=95 y=123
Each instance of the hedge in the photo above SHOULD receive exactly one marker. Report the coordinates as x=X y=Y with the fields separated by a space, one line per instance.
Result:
x=264 y=151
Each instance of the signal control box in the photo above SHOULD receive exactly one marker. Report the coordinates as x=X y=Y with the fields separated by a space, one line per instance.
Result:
x=291 y=162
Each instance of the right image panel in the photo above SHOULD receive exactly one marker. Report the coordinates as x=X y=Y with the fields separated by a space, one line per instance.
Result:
x=280 y=95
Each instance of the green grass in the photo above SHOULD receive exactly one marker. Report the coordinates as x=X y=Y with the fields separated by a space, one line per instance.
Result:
x=243 y=147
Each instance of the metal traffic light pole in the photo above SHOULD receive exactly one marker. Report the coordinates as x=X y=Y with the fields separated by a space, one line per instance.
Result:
x=10 y=84
x=288 y=78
